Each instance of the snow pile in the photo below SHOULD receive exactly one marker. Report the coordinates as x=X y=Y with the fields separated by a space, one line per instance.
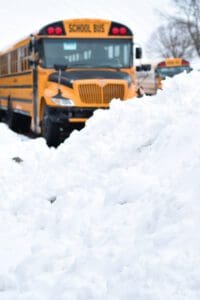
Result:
x=113 y=213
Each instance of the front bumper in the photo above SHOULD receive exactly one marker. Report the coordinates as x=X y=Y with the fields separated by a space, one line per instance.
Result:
x=70 y=114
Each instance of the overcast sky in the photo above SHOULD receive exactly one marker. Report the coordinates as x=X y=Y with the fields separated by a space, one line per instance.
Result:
x=23 y=17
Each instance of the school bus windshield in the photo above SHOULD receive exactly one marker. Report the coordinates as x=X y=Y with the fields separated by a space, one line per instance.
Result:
x=86 y=53
x=171 y=71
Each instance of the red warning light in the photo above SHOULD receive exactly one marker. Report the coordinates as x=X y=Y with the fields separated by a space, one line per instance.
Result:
x=58 y=30
x=51 y=30
x=115 y=30
x=162 y=64
x=123 y=30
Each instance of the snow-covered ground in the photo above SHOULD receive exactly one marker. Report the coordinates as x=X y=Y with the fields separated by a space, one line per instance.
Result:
x=113 y=213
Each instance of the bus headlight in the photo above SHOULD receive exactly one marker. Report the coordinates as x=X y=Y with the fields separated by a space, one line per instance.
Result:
x=62 y=101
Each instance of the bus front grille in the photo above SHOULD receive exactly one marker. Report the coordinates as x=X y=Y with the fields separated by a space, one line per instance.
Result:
x=111 y=91
x=95 y=94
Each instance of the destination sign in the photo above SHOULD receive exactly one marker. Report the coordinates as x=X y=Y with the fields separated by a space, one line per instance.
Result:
x=86 y=28
x=173 y=62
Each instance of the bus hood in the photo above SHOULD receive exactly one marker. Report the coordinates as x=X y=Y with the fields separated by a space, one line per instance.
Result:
x=68 y=77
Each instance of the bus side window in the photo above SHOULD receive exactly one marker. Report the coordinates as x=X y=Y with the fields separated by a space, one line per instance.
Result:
x=4 y=65
x=13 y=59
x=24 y=58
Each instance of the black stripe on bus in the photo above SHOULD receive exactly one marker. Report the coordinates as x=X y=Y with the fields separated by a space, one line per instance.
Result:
x=16 y=74
x=17 y=99
x=24 y=86
x=23 y=112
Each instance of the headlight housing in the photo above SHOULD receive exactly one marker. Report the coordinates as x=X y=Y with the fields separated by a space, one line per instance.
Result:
x=62 y=101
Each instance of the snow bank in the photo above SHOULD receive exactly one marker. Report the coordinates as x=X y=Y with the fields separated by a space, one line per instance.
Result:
x=113 y=213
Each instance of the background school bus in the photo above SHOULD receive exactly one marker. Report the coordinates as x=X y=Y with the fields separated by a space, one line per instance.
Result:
x=149 y=76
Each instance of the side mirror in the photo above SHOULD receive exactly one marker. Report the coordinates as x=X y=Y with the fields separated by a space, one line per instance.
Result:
x=30 y=62
x=146 y=67
x=138 y=68
x=138 y=53
x=33 y=59
x=33 y=52
x=33 y=46
x=30 y=47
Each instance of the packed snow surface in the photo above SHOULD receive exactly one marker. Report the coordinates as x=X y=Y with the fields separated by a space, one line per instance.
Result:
x=113 y=213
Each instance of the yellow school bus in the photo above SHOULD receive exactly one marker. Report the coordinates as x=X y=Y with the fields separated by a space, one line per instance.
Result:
x=52 y=81
x=150 y=76
x=171 y=67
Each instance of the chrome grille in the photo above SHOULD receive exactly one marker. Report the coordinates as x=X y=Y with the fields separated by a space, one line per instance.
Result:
x=94 y=94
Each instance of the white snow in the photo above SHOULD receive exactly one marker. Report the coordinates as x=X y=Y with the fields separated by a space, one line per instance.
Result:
x=113 y=213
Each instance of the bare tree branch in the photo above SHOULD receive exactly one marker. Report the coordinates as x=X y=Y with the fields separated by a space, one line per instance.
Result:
x=188 y=16
x=169 y=41
x=180 y=34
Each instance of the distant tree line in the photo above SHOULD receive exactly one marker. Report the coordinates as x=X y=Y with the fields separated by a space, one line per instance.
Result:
x=180 y=34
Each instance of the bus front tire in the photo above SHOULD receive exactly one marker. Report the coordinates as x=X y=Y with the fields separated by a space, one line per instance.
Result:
x=50 y=129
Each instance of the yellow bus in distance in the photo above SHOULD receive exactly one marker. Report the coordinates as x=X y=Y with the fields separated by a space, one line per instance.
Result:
x=171 y=67
x=53 y=80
